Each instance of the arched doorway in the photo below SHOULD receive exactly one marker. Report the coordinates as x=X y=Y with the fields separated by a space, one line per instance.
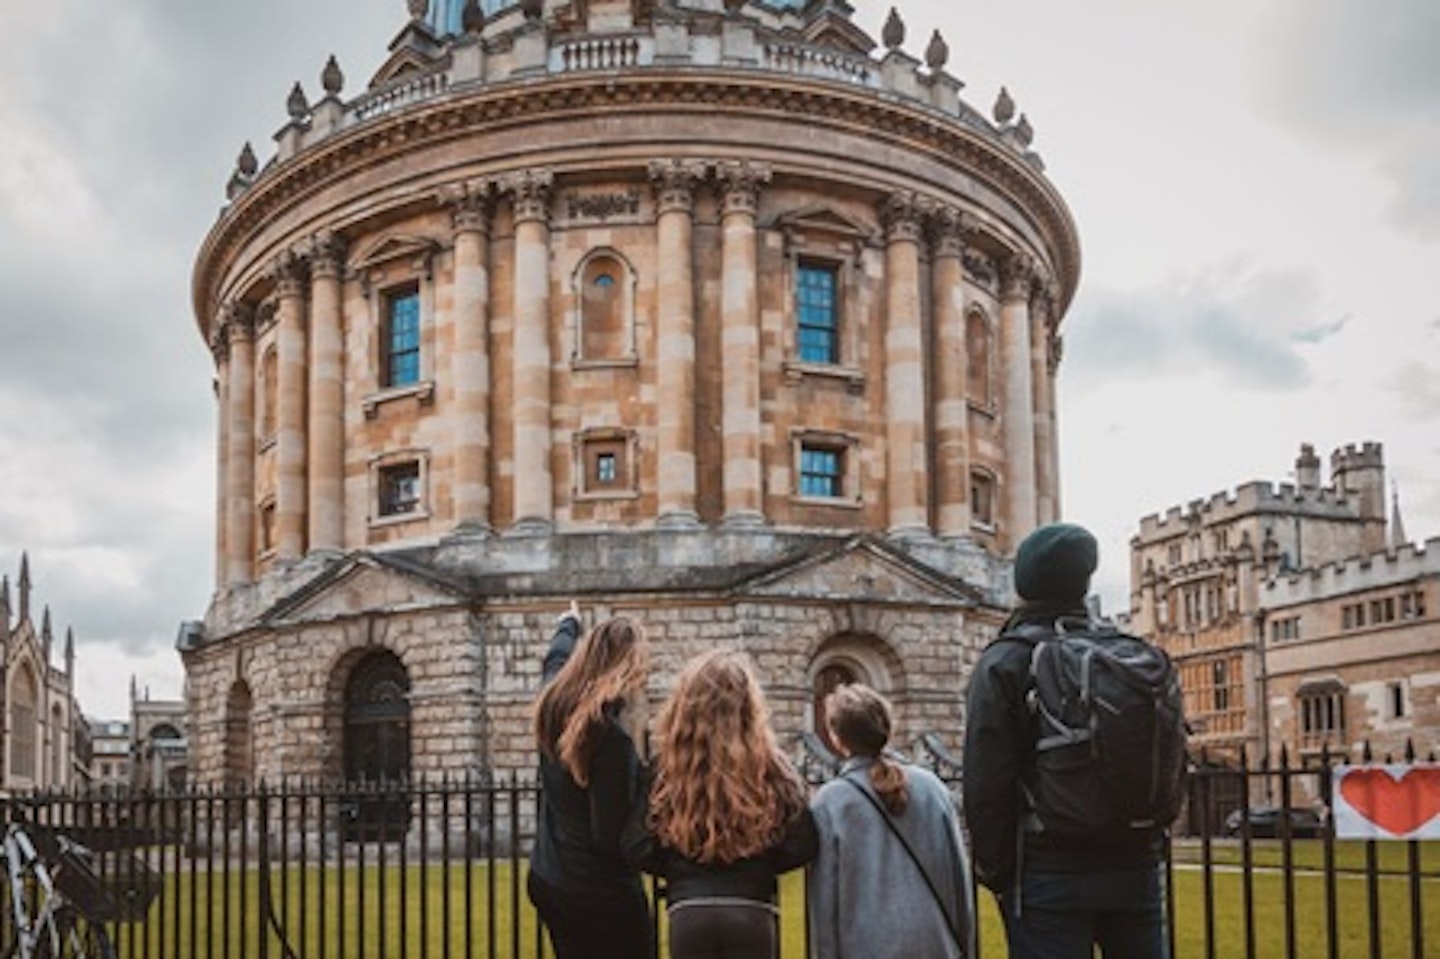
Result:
x=239 y=738
x=829 y=678
x=376 y=744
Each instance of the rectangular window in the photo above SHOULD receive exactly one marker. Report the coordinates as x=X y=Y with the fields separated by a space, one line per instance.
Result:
x=1396 y=700
x=1389 y=609
x=268 y=536
x=982 y=499
x=1322 y=716
x=1220 y=678
x=605 y=472
x=822 y=472
x=605 y=464
x=399 y=489
x=402 y=337
x=817 y=309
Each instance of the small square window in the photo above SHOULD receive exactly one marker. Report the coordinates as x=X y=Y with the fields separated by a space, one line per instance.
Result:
x=822 y=472
x=399 y=489
x=817 y=309
x=605 y=464
x=401 y=337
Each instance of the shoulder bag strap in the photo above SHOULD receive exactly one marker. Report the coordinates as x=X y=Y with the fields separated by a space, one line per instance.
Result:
x=895 y=831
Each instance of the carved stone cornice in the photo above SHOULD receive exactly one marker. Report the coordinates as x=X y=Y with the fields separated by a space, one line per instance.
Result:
x=1044 y=297
x=1017 y=273
x=331 y=163
x=674 y=182
x=951 y=231
x=740 y=183
x=903 y=215
x=327 y=255
x=290 y=270
x=471 y=205
x=530 y=193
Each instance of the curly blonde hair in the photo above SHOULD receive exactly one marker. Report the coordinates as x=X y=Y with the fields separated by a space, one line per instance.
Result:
x=722 y=791
x=607 y=667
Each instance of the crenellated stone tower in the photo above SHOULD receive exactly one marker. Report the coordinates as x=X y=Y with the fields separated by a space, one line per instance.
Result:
x=703 y=312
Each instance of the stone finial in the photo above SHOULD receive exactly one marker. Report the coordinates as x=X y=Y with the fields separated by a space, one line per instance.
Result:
x=331 y=78
x=69 y=649
x=937 y=54
x=893 y=33
x=24 y=587
x=1004 y=107
x=472 y=17
x=246 y=164
x=532 y=9
x=296 y=103
x=1024 y=132
x=418 y=8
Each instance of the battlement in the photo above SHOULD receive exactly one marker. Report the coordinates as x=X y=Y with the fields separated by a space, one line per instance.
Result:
x=1356 y=573
x=1326 y=502
x=1367 y=455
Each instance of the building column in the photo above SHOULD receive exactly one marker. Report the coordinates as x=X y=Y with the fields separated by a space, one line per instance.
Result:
x=327 y=396
x=533 y=483
x=239 y=326
x=220 y=349
x=1018 y=413
x=1047 y=482
x=290 y=441
x=952 y=404
x=740 y=344
x=674 y=182
x=906 y=475
x=470 y=360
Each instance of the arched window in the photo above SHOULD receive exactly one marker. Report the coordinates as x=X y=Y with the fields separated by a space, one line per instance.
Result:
x=827 y=680
x=978 y=358
x=377 y=742
x=239 y=739
x=58 y=765
x=603 y=314
x=23 y=720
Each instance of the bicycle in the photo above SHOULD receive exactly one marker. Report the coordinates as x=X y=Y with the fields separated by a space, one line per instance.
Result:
x=57 y=902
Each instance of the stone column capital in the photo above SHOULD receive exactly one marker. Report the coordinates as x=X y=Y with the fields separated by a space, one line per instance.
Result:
x=903 y=215
x=1017 y=274
x=327 y=254
x=290 y=270
x=530 y=193
x=674 y=180
x=740 y=183
x=237 y=322
x=951 y=231
x=470 y=204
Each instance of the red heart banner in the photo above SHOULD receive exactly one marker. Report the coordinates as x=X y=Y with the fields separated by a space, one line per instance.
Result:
x=1399 y=804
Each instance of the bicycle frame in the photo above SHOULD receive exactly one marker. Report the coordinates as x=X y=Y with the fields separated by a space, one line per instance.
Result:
x=22 y=861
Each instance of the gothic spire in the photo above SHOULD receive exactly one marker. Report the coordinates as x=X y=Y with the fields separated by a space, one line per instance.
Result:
x=47 y=639
x=69 y=651
x=1397 y=525
x=24 y=611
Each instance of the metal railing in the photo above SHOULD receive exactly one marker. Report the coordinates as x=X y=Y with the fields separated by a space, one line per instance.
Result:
x=435 y=868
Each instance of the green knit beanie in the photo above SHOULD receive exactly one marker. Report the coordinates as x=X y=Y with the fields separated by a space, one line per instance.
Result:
x=1054 y=563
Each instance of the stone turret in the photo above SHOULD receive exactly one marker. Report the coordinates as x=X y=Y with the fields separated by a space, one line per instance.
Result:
x=1307 y=468
x=1359 y=471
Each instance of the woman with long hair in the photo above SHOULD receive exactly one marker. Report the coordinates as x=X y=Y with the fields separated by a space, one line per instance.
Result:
x=588 y=720
x=726 y=813
x=886 y=828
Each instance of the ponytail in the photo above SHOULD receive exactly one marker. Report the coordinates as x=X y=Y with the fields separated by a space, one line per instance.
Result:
x=860 y=718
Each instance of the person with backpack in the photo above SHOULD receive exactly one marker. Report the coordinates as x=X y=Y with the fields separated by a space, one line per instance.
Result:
x=885 y=824
x=1074 y=766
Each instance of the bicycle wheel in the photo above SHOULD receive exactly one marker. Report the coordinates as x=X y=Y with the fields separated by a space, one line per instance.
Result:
x=78 y=936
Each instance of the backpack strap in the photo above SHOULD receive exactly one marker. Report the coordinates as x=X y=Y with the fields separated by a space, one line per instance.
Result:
x=905 y=844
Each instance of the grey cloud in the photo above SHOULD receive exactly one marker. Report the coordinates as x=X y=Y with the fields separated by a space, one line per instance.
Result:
x=1364 y=76
x=1247 y=327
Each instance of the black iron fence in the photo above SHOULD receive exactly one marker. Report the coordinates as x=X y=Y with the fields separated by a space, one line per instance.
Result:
x=435 y=868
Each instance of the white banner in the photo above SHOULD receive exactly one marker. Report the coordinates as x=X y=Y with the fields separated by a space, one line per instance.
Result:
x=1400 y=801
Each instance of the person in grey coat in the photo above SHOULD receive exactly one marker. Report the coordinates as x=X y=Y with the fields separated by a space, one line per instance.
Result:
x=892 y=878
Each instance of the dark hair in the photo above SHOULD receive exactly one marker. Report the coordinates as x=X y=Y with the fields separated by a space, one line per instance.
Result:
x=605 y=667
x=859 y=718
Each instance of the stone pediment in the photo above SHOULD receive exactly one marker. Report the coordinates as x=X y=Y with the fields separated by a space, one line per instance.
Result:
x=362 y=583
x=824 y=220
x=834 y=28
x=861 y=570
x=417 y=250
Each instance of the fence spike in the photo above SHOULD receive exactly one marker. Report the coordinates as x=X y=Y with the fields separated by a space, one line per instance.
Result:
x=1365 y=754
x=1409 y=750
x=1284 y=758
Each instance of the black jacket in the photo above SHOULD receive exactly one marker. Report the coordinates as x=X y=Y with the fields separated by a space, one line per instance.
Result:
x=998 y=757
x=752 y=878
x=577 y=843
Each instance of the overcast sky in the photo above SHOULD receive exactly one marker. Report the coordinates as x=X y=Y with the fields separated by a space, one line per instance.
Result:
x=1256 y=183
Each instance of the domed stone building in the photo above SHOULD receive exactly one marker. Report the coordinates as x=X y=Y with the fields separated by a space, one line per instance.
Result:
x=708 y=313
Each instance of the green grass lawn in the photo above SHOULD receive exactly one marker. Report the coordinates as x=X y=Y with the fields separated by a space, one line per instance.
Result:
x=422 y=912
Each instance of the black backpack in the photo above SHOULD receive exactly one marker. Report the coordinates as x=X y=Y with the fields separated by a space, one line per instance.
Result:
x=1110 y=736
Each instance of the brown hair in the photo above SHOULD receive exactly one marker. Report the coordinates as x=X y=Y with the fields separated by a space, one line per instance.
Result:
x=859 y=718
x=607 y=666
x=723 y=791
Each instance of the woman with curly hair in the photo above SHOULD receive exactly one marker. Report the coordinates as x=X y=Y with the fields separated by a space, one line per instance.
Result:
x=588 y=720
x=885 y=825
x=726 y=813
